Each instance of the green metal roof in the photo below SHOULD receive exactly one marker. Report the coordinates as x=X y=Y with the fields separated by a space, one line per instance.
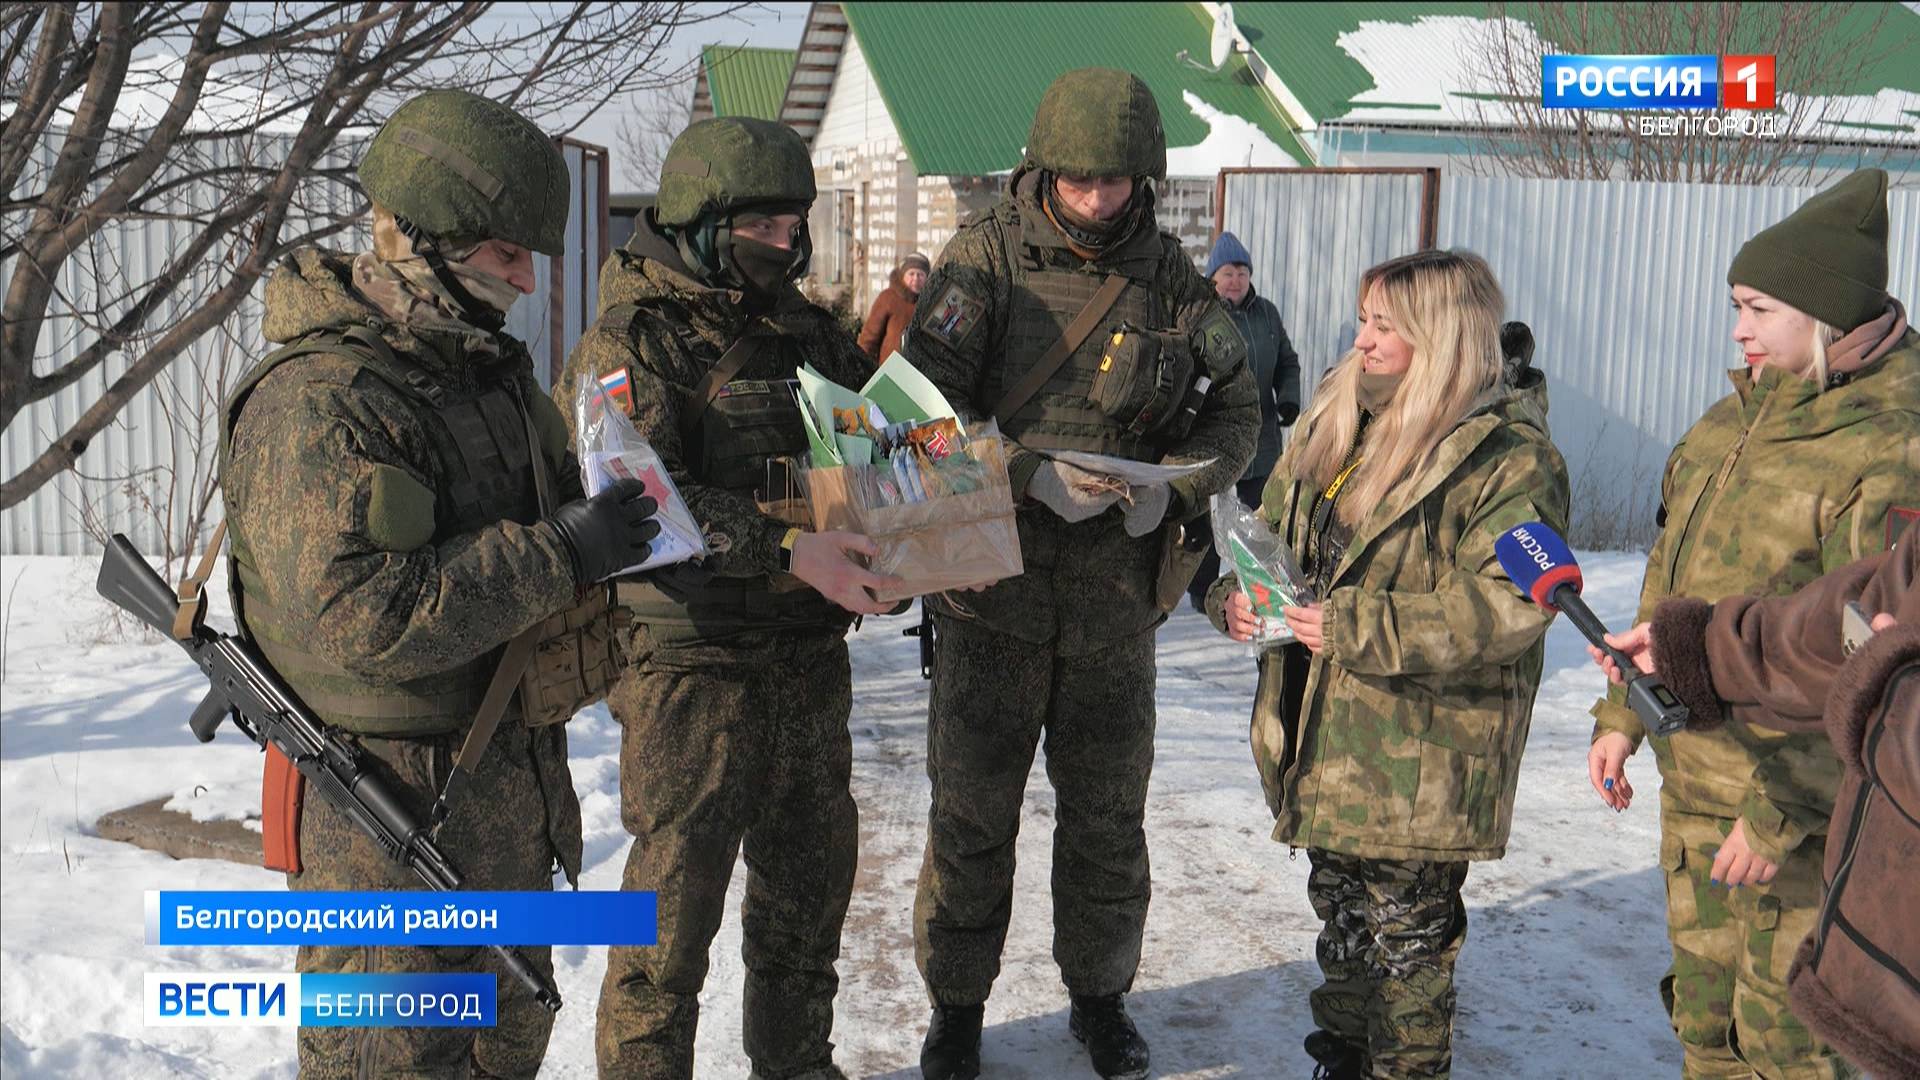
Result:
x=746 y=81
x=965 y=111
x=1300 y=42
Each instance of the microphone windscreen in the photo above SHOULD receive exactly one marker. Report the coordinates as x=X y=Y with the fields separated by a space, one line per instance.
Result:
x=1538 y=561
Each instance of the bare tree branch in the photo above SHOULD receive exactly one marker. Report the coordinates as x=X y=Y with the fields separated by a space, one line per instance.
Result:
x=239 y=122
x=1822 y=53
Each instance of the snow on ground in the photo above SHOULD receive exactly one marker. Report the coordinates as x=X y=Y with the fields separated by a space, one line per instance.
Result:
x=1564 y=948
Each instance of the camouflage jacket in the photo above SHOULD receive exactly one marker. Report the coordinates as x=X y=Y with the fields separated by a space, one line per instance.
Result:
x=667 y=330
x=329 y=483
x=1088 y=581
x=1403 y=739
x=1776 y=485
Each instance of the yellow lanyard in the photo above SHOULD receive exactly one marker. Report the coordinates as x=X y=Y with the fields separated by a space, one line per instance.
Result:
x=1333 y=489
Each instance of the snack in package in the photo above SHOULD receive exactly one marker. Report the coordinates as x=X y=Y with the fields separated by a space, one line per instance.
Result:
x=610 y=449
x=893 y=463
x=1263 y=564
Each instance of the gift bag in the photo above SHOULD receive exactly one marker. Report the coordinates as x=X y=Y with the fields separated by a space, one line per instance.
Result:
x=1262 y=563
x=610 y=450
x=938 y=505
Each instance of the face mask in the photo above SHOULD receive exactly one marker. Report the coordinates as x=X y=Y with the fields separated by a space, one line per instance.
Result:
x=763 y=267
x=496 y=293
x=1376 y=392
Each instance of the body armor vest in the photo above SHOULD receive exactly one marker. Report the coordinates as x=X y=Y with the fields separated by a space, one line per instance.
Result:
x=738 y=444
x=481 y=475
x=1047 y=295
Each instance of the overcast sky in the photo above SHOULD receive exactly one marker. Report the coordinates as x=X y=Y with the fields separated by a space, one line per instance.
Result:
x=767 y=25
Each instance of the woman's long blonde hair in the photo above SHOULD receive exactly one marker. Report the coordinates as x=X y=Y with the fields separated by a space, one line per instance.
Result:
x=1448 y=306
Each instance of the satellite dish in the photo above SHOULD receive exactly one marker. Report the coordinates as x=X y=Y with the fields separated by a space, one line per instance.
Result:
x=1223 y=34
x=1222 y=46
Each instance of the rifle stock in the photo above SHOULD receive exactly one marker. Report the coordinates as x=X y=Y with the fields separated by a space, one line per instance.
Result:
x=134 y=587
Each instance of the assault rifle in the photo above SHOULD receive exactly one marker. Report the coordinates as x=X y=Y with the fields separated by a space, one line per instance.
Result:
x=262 y=707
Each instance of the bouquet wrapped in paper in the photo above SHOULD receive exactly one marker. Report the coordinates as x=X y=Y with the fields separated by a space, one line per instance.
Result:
x=1262 y=563
x=893 y=463
x=611 y=449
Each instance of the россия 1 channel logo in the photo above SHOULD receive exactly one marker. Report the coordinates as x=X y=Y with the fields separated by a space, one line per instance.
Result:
x=1656 y=82
x=1662 y=82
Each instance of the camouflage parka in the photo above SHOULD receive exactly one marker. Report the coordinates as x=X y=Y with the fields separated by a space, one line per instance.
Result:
x=1086 y=582
x=355 y=543
x=1774 y=486
x=1403 y=739
x=346 y=508
x=667 y=329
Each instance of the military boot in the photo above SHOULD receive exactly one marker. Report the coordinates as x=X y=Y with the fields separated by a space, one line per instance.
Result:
x=1114 y=1044
x=1335 y=1057
x=952 y=1049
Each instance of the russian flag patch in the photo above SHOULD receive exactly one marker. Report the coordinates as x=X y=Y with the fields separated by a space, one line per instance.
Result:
x=619 y=388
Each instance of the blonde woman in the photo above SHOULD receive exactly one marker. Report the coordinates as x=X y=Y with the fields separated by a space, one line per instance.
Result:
x=1811 y=463
x=1388 y=737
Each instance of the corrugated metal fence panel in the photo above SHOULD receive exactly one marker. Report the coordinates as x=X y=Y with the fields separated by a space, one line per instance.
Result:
x=1624 y=285
x=153 y=453
x=148 y=453
x=1311 y=235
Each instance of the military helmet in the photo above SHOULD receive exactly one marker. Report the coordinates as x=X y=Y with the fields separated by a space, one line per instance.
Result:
x=464 y=168
x=1098 y=122
x=730 y=162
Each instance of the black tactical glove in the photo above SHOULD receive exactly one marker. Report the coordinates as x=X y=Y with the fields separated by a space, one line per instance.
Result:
x=1289 y=412
x=609 y=532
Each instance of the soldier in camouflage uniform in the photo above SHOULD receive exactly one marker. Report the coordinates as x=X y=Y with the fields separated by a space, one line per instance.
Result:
x=390 y=479
x=1066 y=650
x=734 y=711
x=1388 y=736
x=1811 y=463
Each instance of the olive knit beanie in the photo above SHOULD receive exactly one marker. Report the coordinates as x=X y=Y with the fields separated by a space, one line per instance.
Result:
x=1828 y=258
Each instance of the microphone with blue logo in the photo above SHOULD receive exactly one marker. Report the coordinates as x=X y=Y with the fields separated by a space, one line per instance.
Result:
x=1538 y=561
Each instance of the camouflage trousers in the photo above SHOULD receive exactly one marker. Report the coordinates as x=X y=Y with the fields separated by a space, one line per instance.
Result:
x=995 y=698
x=725 y=746
x=1726 y=991
x=499 y=837
x=1392 y=931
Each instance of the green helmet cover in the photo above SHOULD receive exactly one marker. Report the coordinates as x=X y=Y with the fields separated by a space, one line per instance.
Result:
x=729 y=163
x=1098 y=122
x=464 y=168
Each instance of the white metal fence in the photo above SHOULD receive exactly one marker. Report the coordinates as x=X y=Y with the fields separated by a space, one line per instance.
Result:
x=141 y=472
x=1311 y=235
x=1623 y=284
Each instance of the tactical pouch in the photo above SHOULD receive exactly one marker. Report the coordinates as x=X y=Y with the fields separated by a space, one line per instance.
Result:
x=1181 y=551
x=576 y=657
x=1143 y=377
x=748 y=422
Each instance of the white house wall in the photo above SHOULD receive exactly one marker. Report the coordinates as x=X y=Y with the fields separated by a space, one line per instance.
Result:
x=858 y=151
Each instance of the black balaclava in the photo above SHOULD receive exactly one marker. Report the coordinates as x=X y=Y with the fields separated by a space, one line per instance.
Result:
x=717 y=257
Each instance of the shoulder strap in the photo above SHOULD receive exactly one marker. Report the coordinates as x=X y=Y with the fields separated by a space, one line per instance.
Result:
x=1057 y=353
x=506 y=679
x=721 y=373
x=193 y=588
